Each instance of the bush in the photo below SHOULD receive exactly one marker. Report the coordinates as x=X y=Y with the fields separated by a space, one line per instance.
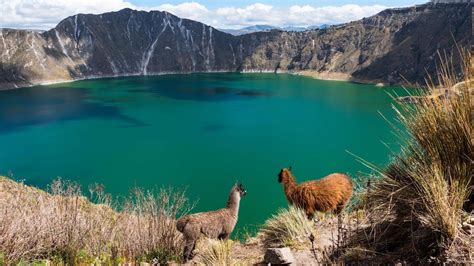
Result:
x=65 y=226
x=289 y=228
x=417 y=205
x=214 y=252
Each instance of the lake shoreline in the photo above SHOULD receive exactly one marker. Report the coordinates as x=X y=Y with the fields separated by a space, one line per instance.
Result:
x=340 y=76
x=330 y=76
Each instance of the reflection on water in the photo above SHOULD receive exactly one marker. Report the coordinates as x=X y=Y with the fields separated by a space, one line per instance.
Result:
x=203 y=93
x=214 y=127
x=35 y=106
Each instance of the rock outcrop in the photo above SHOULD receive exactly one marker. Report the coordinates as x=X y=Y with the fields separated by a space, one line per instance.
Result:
x=391 y=46
x=279 y=256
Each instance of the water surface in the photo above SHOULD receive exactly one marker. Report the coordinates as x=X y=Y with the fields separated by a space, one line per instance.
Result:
x=199 y=131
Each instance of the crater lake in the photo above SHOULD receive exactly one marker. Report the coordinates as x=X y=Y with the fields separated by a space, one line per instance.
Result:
x=199 y=132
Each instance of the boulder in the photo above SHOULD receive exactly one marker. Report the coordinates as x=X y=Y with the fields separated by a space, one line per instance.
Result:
x=279 y=256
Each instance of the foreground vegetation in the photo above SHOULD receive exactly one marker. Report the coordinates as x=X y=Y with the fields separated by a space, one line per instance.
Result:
x=416 y=208
x=412 y=212
x=66 y=227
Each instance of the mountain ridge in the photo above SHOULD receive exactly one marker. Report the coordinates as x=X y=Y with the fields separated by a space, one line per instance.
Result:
x=381 y=48
x=258 y=28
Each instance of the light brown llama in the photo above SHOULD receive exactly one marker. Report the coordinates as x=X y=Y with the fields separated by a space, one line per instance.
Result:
x=217 y=224
x=331 y=193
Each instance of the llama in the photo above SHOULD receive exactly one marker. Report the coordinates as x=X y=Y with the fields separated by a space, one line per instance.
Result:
x=213 y=224
x=331 y=193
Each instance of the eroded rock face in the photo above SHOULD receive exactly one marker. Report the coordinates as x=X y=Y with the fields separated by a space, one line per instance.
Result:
x=382 y=48
x=385 y=47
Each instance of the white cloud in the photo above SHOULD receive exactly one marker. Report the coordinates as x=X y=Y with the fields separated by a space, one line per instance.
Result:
x=302 y=9
x=296 y=15
x=45 y=14
x=249 y=15
x=308 y=15
x=190 y=10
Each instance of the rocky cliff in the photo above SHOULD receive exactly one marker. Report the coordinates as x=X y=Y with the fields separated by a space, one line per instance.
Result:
x=391 y=46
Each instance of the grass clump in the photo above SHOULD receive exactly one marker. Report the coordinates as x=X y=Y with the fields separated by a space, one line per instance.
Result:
x=416 y=207
x=287 y=228
x=147 y=225
x=215 y=252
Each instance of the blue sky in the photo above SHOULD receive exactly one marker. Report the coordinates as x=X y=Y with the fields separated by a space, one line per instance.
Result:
x=45 y=14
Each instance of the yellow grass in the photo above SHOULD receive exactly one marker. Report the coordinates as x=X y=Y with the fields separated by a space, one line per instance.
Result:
x=65 y=226
x=417 y=205
x=287 y=228
x=214 y=252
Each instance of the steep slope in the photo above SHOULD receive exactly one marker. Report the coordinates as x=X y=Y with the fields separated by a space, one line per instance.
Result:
x=388 y=47
x=118 y=43
x=381 y=48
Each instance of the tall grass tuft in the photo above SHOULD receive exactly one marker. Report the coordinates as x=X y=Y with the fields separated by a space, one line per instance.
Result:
x=416 y=207
x=65 y=226
x=215 y=252
x=288 y=228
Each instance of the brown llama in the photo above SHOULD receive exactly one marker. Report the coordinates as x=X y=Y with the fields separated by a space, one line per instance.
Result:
x=331 y=193
x=217 y=224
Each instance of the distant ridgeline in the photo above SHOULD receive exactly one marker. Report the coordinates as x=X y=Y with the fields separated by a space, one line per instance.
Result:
x=392 y=46
x=450 y=1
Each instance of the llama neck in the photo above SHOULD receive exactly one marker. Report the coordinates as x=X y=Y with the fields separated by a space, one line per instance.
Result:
x=289 y=184
x=233 y=203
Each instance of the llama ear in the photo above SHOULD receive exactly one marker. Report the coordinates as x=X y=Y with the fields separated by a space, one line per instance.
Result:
x=290 y=168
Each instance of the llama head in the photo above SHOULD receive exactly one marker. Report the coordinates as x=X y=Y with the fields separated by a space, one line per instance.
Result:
x=239 y=188
x=285 y=173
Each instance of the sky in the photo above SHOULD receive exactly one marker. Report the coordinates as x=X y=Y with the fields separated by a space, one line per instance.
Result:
x=224 y=14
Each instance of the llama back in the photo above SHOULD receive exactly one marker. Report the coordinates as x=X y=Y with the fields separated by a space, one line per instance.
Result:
x=191 y=218
x=209 y=223
x=325 y=194
x=343 y=184
x=335 y=182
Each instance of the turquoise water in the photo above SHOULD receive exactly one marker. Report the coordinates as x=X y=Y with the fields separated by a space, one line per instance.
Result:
x=201 y=132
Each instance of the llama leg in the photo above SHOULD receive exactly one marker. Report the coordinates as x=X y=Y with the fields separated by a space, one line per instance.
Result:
x=189 y=246
x=338 y=212
x=309 y=213
x=192 y=250
x=191 y=234
x=339 y=208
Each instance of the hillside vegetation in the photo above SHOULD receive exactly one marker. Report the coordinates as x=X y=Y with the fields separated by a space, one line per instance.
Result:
x=65 y=227
x=417 y=206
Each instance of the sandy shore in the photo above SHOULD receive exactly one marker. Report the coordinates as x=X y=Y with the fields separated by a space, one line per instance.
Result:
x=338 y=76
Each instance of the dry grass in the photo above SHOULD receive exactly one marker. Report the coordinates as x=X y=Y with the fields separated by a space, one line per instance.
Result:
x=416 y=207
x=66 y=227
x=214 y=252
x=288 y=228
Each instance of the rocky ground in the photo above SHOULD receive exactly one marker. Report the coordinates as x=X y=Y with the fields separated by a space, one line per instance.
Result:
x=253 y=252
